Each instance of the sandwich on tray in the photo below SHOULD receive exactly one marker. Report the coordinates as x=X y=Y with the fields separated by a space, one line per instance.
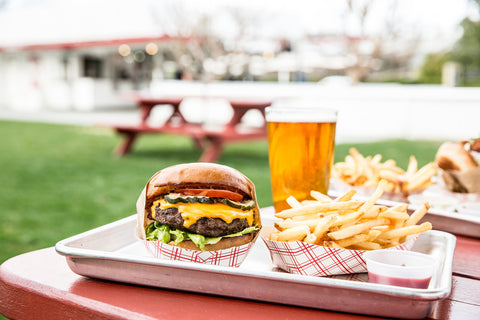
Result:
x=459 y=164
x=201 y=207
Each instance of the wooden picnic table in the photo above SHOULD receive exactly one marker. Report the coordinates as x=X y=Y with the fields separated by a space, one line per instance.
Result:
x=40 y=285
x=209 y=140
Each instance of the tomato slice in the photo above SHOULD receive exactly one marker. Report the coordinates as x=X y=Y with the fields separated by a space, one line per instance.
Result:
x=212 y=193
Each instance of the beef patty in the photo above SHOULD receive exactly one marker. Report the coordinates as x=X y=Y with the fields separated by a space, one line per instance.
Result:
x=210 y=227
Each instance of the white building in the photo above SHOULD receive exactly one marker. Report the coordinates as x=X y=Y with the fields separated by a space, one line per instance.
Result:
x=78 y=76
x=65 y=54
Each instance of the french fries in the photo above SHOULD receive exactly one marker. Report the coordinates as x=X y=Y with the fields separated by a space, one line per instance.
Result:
x=349 y=224
x=361 y=171
x=315 y=208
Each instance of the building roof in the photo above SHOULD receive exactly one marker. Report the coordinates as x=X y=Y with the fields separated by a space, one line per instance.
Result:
x=58 y=24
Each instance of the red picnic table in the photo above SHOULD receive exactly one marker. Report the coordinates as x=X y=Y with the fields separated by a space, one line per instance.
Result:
x=40 y=285
x=209 y=140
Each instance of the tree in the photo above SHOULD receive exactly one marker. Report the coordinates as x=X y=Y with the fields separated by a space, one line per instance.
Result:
x=466 y=50
x=431 y=70
x=201 y=48
x=390 y=45
x=477 y=2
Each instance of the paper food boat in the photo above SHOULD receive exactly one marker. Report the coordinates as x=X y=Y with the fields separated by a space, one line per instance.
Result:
x=231 y=257
x=313 y=260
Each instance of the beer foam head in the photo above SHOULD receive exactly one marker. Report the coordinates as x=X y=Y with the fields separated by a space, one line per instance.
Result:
x=299 y=110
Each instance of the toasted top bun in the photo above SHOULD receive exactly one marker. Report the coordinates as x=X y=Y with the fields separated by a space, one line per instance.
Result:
x=200 y=174
x=454 y=156
x=193 y=175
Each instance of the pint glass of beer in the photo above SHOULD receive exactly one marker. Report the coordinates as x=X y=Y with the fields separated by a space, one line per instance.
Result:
x=301 y=143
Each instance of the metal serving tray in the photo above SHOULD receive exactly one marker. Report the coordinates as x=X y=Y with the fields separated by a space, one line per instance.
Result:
x=112 y=252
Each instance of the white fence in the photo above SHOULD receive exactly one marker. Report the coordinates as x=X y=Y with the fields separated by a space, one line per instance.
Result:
x=366 y=112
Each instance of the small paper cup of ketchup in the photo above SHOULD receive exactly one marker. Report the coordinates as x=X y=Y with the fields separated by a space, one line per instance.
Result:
x=399 y=268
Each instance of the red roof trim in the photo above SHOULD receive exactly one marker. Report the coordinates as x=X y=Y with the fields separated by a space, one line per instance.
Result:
x=85 y=44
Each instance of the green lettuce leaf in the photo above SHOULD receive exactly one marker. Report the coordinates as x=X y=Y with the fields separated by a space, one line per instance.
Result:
x=156 y=231
x=178 y=235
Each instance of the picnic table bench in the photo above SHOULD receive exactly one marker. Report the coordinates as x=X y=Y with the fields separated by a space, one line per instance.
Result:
x=210 y=140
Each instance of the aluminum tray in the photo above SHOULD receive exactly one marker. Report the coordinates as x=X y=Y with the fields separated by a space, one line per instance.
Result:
x=112 y=252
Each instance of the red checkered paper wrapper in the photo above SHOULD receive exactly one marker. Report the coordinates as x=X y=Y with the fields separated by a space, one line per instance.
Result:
x=313 y=260
x=231 y=257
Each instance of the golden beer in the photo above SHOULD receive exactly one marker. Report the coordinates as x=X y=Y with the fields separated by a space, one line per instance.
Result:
x=301 y=148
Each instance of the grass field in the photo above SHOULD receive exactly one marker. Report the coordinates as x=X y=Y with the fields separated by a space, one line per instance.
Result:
x=57 y=181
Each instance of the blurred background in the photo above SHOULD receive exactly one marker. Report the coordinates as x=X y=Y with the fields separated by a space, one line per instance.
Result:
x=404 y=75
x=80 y=54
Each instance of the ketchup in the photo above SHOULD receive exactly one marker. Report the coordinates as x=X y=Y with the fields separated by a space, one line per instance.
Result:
x=401 y=282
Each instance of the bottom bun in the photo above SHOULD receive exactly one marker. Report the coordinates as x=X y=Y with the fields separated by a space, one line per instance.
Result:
x=224 y=243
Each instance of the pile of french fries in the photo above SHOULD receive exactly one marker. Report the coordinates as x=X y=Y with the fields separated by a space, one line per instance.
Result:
x=367 y=172
x=348 y=224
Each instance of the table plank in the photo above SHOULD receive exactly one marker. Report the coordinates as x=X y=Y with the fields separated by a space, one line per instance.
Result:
x=39 y=284
x=455 y=310
x=466 y=261
x=193 y=305
x=465 y=290
x=463 y=303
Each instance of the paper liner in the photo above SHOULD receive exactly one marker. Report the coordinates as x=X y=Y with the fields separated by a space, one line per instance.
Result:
x=231 y=257
x=440 y=190
x=313 y=260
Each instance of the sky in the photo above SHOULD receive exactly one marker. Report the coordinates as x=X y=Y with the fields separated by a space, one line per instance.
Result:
x=436 y=20
x=323 y=15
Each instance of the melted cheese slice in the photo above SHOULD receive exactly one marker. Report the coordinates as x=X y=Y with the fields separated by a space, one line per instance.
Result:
x=191 y=212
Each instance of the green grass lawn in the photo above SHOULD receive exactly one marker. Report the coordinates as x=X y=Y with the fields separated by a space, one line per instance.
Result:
x=57 y=181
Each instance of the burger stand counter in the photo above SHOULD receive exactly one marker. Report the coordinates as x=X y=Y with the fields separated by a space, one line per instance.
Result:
x=40 y=285
x=209 y=140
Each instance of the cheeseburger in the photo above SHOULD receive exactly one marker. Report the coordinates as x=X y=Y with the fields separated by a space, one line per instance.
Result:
x=199 y=206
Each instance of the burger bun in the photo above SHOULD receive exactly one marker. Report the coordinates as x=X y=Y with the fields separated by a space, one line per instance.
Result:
x=198 y=174
x=454 y=156
x=224 y=243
